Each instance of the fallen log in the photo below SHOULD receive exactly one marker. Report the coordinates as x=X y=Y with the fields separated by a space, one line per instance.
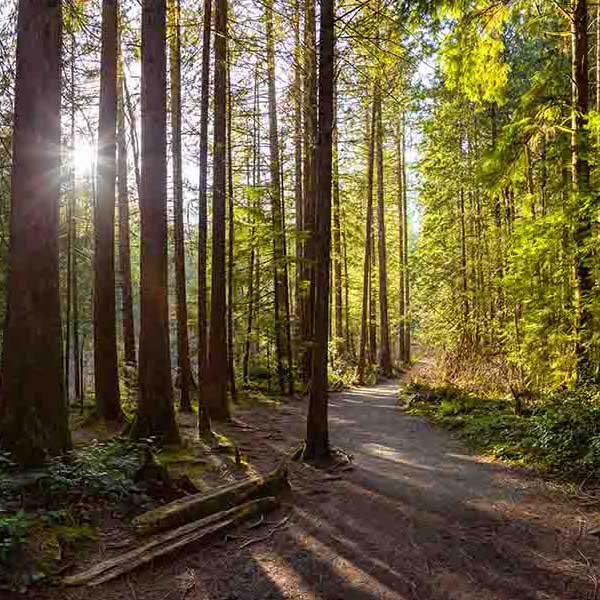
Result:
x=170 y=542
x=198 y=506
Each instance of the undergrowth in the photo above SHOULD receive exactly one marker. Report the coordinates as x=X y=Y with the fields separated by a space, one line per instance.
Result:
x=557 y=433
x=45 y=511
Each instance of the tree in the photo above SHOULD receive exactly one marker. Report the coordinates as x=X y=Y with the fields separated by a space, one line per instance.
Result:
x=317 y=430
x=215 y=382
x=183 y=348
x=281 y=296
x=124 y=229
x=33 y=411
x=364 y=323
x=204 y=426
x=106 y=370
x=155 y=415
x=584 y=208
x=385 y=359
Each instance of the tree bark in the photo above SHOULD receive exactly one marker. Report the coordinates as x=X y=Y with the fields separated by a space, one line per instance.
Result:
x=215 y=380
x=183 y=346
x=385 y=358
x=406 y=270
x=106 y=369
x=124 y=232
x=156 y=414
x=33 y=411
x=309 y=189
x=364 y=324
x=204 y=426
x=230 y=242
x=317 y=429
x=583 y=208
x=337 y=236
x=284 y=366
x=401 y=233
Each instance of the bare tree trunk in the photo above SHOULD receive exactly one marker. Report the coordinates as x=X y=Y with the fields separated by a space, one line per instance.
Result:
x=298 y=191
x=215 y=380
x=401 y=234
x=406 y=270
x=317 y=430
x=231 y=239
x=385 y=358
x=156 y=414
x=584 y=210
x=106 y=369
x=124 y=233
x=135 y=145
x=308 y=188
x=33 y=412
x=183 y=346
x=364 y=324
x=284 y=366
x=204 y=425
x=337 y=236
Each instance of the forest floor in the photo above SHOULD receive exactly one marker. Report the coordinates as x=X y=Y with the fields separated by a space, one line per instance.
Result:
x=415 y=516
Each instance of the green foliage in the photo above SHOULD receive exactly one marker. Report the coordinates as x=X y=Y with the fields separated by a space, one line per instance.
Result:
x=558 y=434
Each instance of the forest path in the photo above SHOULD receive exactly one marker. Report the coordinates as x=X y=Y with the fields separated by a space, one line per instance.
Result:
x=416 y=517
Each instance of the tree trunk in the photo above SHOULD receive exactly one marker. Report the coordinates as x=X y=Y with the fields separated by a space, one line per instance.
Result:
x=284 y=367
x=156 y=414
x=337 y=236
x=406 y=270
x=33 y=412
x=124 y=233
x=317 y=430
x=385 y=358
x=183 y=347
x=204 y=426
x=215 y=380
x=583 y=207
x=135 y=145
x=364 y=323
x=231 y=239
x=106 y=369
x=401 y=233
x=298 y=191
x=309 y=188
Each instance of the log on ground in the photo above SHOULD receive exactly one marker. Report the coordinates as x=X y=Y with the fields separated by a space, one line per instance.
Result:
x=198 y=506
x=171 y=542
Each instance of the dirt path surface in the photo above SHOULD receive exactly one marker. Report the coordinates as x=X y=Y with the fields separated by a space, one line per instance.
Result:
x=415 y=517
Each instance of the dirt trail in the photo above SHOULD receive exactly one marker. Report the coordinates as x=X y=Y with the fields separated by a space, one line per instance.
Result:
x=417 y=517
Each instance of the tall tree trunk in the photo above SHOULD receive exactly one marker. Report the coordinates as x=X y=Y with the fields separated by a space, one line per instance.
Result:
x=230 y=241
x=256 y=205
x=364 y=323
x=33 y=412
x=183 y=347
x=405 y=270
x=215 y=380
x=124 y=233
x=373 y=303
x=284 y=367
x=337 y=235
x=583 y=208
x=298 y=191
x=309 y=188
x=204 y=426
x=135 y=145
x=106 y=369
x=317 y=430
x=156 y=414
x=385 y=358
x=401 y=233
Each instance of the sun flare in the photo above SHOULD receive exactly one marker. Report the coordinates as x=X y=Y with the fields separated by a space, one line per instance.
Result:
x=83 y=158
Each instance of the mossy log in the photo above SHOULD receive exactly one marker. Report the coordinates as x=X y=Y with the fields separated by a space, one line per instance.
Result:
x=198 y=506
x=171 y=542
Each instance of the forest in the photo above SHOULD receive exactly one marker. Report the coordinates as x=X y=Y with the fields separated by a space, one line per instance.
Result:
x=300 y=299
